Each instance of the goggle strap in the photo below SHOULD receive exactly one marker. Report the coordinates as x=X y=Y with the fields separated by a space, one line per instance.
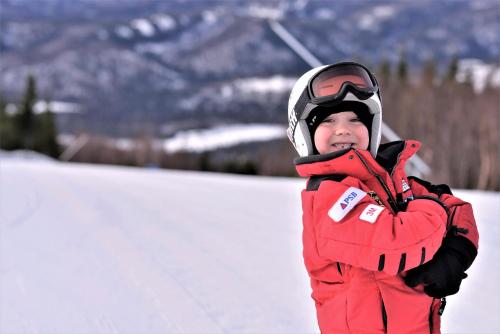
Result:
x=301 y=104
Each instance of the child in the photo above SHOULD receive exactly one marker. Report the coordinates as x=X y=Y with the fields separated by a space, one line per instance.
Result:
x=382 y=249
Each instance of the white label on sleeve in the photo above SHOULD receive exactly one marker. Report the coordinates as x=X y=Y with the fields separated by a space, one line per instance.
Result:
x=371 y=212
x=406 y=187
x=346 y=203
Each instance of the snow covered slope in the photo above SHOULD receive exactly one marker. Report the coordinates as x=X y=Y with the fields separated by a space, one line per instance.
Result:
x=92 y=249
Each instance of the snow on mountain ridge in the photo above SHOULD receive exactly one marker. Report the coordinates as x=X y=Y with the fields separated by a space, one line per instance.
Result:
x=144 y=26
x=164 y=22
x=274 y=84
x=480 y=74
x=82 y=53
x=378 y=15
x=124 y=32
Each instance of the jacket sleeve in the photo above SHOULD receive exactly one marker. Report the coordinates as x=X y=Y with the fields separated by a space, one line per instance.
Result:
x=461 y=220
x=353 y=229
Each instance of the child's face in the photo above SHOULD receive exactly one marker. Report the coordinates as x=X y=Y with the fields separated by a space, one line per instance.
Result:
x=340 y=131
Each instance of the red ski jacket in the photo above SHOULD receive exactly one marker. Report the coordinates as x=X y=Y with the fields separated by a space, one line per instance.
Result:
x=364 y=224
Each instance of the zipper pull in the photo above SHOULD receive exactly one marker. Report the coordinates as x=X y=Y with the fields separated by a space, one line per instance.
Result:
x=402 y=203
x=442 y=306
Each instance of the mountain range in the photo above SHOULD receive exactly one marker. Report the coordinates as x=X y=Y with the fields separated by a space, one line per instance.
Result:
x=157 y=67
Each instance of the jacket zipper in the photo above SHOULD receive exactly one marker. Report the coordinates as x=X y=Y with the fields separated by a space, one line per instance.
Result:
x=431 y=316
x=442 y=305
x=390 y=199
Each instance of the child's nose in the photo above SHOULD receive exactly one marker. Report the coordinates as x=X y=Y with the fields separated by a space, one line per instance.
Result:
x=342 y=130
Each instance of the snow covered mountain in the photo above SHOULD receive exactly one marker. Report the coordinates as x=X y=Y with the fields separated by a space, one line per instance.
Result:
x=87 y=249
x=138 y=64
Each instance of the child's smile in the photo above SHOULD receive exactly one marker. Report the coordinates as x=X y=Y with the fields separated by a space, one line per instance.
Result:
x=343 y=146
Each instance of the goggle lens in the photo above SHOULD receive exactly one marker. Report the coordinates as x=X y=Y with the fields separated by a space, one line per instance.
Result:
x=330 y=81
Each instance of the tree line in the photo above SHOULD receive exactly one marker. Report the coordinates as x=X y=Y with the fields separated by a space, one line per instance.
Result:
x=458 y=127
x=26 y=130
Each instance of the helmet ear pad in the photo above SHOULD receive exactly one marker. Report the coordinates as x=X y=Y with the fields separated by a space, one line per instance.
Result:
x=319 y=113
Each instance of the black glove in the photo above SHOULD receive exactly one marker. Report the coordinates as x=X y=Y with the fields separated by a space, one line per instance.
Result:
x=438 y=189
x=443 y=274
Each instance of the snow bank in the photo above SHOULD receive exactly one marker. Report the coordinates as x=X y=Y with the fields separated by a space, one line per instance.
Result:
x=24 y=156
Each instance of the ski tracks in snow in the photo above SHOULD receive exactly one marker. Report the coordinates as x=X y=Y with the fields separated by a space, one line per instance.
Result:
x=126 y=250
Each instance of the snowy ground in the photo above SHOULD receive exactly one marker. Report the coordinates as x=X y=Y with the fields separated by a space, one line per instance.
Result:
x=92 y=249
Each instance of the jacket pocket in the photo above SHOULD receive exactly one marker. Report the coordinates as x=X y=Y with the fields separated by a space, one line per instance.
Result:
x=331 y=274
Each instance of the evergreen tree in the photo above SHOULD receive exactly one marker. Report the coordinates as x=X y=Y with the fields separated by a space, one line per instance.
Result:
x=429 y=72
x=452 y=70
x=9 y=136
x=25 y=118
x=384 y=73
x=402 y=68
x=46 y=134
x=204 y=162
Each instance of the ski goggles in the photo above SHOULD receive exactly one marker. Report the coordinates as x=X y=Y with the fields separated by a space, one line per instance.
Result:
x=331 y=84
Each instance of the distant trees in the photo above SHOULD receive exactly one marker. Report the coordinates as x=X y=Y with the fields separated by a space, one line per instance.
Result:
x=459 y=127
x=45 y=134
x=9 y=135
x=24 y=129
x=25 y=118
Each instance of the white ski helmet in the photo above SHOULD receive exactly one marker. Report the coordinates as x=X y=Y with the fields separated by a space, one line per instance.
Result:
x=330 y=86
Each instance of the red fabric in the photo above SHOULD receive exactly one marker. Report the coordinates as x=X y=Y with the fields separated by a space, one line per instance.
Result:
x=343 y=257
x=461 y=214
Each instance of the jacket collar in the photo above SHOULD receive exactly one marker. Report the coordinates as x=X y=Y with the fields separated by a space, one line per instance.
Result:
x=358 y=163
x=394 y=154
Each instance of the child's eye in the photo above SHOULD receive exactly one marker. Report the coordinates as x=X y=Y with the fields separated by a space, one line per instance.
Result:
x=328 y=120
x=355 y=119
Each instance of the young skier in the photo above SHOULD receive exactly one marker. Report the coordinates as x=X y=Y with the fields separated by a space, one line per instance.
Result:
x=382 y=249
